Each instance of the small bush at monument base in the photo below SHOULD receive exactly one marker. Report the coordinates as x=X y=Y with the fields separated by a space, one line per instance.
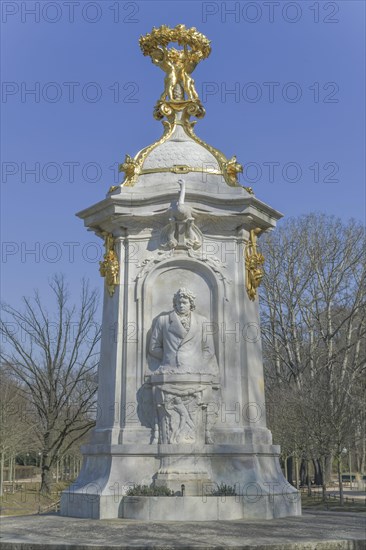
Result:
x=146 y=491
x=224 y=490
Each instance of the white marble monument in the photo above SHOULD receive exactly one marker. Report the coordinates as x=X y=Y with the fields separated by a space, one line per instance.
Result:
x=181 y=392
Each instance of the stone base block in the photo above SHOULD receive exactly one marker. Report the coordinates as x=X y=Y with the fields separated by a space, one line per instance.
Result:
x=208 y=508
x=93 y=506
x=251 y=470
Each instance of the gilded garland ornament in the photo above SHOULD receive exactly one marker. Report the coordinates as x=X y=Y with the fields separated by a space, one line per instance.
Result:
x=109 y=267
x=254 y=261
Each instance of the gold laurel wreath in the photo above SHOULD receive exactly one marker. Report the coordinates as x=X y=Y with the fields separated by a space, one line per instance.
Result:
x=162 y=36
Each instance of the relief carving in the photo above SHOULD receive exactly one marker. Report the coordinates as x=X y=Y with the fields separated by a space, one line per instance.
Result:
x=182 y=340
x=186 y=378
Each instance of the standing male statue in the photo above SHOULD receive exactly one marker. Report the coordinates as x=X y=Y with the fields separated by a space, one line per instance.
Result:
x=182 y=339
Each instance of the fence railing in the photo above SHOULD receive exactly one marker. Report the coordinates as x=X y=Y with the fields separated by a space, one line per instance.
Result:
x=54 y=507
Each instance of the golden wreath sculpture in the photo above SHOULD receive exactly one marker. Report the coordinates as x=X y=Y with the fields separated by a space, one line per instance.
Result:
x=161 y=37
x=178 y=64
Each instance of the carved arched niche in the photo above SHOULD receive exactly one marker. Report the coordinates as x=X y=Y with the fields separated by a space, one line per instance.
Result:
x=157 y=289
x=156 y=297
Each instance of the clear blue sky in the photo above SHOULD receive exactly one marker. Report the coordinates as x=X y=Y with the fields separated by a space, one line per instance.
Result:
x=295 y=119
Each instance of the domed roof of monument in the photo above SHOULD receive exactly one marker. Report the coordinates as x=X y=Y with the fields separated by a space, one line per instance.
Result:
x=180 y=149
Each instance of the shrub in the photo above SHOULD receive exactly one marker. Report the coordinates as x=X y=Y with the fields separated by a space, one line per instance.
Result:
x=146 y=491
x=224 y=490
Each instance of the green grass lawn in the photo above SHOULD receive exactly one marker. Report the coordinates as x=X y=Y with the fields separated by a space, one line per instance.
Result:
x=27 y=500
x=316 y=503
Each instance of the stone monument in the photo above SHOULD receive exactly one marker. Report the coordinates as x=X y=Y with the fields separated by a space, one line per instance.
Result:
x=180 y=382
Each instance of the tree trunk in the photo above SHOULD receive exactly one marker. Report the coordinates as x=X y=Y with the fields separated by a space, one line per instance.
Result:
x=339 y=470
x=2 y=462
x=46 y=476
x=318 y=474
x=289 y=470
x=296 y=473
x=327 y=470
x=308 y=479
x=13 y=475
x=285 y=466
x=363 y=456
x=302 y=473
x=10 y=475
x=324 y=480
x=350 y=470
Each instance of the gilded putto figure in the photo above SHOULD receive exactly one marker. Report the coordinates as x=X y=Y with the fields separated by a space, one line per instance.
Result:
x=177 y=64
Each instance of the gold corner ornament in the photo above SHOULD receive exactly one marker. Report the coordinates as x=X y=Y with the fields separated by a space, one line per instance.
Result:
x=179 y=100
x=109 y=267
x=254 y=261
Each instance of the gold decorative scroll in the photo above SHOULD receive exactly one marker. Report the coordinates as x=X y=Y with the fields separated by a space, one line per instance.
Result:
x=109 y=267
x=254 y=261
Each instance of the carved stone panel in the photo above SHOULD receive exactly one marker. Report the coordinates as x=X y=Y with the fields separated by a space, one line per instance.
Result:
x=181 y=402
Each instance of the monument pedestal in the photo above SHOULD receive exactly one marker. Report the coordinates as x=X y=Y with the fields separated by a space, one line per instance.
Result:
x=180 y=389
x=211 y=508
x=253 y=471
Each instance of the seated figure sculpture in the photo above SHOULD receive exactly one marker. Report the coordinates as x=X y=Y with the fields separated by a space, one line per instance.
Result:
x=182 y=339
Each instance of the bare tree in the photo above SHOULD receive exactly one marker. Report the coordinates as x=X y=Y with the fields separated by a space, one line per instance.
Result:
x=314 y=324
x=15 y=430
x=54 y=356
